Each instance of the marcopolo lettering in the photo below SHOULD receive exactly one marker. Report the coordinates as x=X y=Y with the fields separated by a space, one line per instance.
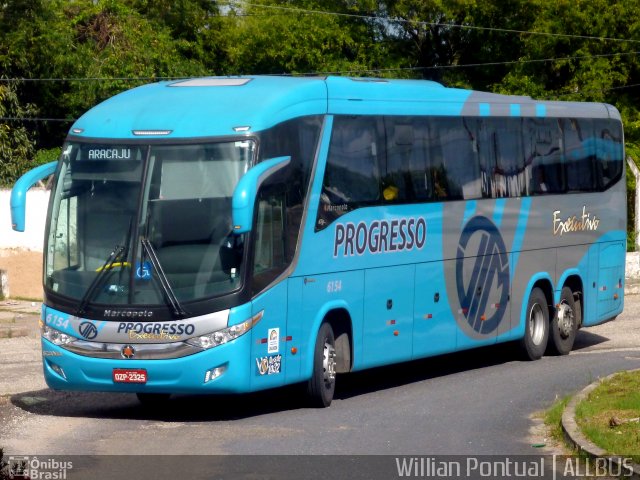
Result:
x=379 y=236
x=128 y=313
x=157 y=328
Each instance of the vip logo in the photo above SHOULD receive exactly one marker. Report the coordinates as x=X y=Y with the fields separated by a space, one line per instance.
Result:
x=482 y=274
x=88 y=330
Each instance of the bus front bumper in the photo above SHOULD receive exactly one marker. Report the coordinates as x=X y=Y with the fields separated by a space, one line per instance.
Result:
x=223 y=369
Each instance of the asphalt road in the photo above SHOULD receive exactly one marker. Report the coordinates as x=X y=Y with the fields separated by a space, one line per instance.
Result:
x=473 y=403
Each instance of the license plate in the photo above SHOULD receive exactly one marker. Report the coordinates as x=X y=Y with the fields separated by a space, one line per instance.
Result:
x=128 y=375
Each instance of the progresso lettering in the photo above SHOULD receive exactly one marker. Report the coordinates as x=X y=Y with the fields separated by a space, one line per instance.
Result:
x=379 y=236
x=109 y=154
x=157 y=328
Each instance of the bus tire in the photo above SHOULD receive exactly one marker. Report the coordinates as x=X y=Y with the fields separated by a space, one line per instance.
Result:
x=322 y=383
x=536 y=328
x=153 y=399
x=564 y=325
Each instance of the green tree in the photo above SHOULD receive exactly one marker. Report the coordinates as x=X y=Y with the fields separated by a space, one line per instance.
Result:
x=587 y=69
x=91 y=50
x=277 y=37
x=436 y=38
x=16 y=149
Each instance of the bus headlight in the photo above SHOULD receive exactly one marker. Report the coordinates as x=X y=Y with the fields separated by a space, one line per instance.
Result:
x=225 y=335
x=56 y=336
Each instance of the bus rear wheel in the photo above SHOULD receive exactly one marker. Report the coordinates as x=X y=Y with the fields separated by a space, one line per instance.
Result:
x=564 y=325
x=536 y=329
x=322 y=384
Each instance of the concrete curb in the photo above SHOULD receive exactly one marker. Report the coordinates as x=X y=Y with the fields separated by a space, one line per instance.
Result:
x=574 y=435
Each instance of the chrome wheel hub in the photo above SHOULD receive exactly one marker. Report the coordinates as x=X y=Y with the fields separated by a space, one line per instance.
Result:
x=536 y=324
x=566 y=319
x=329 y=363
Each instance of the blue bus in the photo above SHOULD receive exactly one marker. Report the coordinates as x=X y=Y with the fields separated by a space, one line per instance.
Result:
x=233 y=234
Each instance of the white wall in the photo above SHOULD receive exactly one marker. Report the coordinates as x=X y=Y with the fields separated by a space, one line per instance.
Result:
x=33 y=236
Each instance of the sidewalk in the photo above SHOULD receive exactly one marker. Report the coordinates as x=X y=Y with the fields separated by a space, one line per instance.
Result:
x=19 y=318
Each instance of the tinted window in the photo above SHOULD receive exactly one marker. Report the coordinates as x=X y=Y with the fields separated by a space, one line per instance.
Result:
x=579 y=154
x=453 y=159
x=352 y=175
x=299 y=139
x=608 y=140
x=543 y=159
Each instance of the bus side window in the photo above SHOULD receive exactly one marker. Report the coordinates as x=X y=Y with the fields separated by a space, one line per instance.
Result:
x=608 y=140
x=352 y=174
x=461 y=159
x=66 y=254
x=269 y=257
x=579 y=154
x=542 y=153
x=405 y=170
x=509 y=176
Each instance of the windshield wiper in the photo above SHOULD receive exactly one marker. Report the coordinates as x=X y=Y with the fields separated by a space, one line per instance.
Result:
x=171 y=298
x=111 y=261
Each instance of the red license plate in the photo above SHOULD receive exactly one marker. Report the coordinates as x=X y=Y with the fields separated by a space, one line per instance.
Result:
x=129 y=375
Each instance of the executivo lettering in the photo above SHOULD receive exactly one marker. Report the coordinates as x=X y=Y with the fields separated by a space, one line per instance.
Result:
x=574 y=223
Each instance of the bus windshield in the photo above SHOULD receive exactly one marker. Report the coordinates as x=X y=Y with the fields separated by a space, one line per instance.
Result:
x=110 y=200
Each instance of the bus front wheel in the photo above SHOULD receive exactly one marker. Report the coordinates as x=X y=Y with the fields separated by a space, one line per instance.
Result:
x=564 y=325
x=322 y=384
x=536 y=329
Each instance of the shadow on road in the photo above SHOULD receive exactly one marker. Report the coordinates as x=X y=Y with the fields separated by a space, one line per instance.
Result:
x=196 y=408
x=585 y=339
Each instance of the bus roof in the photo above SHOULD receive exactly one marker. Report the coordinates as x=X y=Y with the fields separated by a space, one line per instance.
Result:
x=219 y=106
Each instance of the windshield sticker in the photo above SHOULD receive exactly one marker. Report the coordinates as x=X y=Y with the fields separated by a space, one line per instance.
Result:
x=274 y=336
x=574 y=223
x=379 y=236
x=269 y=365
x=143 y=270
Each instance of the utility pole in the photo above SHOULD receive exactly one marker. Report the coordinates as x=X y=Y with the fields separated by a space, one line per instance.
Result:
x=636 y=216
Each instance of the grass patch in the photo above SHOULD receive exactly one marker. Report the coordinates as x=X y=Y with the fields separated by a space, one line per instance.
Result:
x=27 y=299
x=553 y=418
x=616 y=401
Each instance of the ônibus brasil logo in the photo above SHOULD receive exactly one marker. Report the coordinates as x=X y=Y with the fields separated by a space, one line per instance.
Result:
x=482 y=273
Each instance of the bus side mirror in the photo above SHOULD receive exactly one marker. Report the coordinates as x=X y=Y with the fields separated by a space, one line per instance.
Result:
x=19 y=192
x=244 y=196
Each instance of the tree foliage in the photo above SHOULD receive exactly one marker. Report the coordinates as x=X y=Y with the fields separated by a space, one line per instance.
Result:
x=75 y=53
x=16 y=148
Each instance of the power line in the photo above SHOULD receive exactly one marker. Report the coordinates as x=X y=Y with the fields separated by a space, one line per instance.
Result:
x=587 y=92
x=36 y=119
x=232 y=3
x=469 y=65
x=341 y=72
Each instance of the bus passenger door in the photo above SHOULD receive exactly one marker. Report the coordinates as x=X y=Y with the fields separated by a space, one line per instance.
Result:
x=268 y=346
x=269 y=263
x=388 y=314
x=434 y=326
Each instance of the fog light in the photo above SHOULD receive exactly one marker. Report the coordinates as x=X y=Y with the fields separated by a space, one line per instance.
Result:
x=214 y=373
x=58 y=370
